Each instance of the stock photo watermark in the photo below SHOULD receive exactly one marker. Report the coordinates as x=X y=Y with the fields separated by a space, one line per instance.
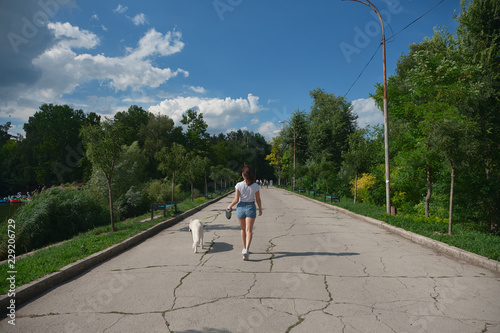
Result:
x=99 y=300
x=223 y=6
x=12 y=272
x=73 y=157
x=292 y=281
x=363 y=36
x=31 y=25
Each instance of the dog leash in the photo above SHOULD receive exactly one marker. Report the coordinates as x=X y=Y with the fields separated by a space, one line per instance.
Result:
x=215 y=215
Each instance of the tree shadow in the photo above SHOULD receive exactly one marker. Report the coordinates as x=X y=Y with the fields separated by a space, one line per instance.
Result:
x=210 y=227
x=205 y=330
x=278 y=255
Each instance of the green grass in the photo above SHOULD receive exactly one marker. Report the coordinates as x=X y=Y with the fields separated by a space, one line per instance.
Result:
x=53 y=258
x=465 y=236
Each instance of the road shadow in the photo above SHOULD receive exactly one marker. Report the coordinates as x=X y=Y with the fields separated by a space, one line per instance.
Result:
x=278 y=255
x=210 y=227
x=218 y=247
x=205 y=330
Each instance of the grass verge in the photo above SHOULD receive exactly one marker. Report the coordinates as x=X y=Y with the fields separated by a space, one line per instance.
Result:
x=464 y=236
x=53 y=258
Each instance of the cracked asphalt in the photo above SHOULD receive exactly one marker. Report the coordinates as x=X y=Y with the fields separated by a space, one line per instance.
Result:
x=311 y=269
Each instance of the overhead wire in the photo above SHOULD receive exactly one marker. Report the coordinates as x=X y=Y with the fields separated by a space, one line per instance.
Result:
x=387 y=39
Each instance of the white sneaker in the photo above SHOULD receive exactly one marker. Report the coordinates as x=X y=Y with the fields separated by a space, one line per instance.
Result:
x=245 y=254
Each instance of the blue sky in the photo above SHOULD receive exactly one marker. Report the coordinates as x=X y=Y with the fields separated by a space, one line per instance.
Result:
x=243 y=64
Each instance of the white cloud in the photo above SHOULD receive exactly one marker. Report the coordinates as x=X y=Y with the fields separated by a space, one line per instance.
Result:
x=218 y=113
x=140 y=19
x=268 y=130
x=254 y=121
x=69 y=36
x=94 y=17
x=63 y=70
x=199 y=90
x=368 y=112
x=120 y=9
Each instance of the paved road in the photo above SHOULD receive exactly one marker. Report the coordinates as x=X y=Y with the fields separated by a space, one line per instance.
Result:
x=311 y=269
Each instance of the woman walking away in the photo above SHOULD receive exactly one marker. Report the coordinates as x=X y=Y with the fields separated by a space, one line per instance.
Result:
x=246 y=195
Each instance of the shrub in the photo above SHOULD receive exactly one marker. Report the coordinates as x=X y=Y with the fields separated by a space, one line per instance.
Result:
x=132 y=203
x=53 y=216
x=364 y=185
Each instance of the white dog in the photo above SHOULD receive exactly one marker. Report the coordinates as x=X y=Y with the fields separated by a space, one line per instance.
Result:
x=196 y=229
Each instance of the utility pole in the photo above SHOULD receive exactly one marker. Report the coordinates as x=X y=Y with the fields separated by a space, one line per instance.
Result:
x=386 y=121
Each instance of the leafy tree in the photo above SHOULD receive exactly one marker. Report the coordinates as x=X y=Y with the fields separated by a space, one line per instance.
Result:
x=104 y=147
x=53 y=143
x=275 y=157
x=216 y=173
x=193 y=170
x=359 y=156
x=155 y=135
x=4 y=133
x=172 y=161
x=332 y=120
x=131 y=121
x=205 y=169
x=478 y=34
x=455 y=138
x=196 y=135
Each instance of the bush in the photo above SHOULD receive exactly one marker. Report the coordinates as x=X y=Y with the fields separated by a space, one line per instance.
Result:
x=53 y=216
x=132 y=203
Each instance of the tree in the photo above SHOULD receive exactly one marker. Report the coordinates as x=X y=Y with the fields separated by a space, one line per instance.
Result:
x=131 y=121
x=104 y=146
x=332 y=120
x=275 y=158
x=193 y=170
x=479 y=43
x=196 y=135
x=172 y=161
x=53 y=143
x=155 y=135
x=454 y=136
x=205 y=169
x=357 y=159
x=216 y=173
x=4 y=133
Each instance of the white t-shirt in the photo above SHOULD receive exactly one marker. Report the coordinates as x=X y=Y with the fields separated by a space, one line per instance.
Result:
x=247 y=193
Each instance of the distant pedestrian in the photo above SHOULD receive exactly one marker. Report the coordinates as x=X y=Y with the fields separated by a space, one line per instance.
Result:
x=246 y=195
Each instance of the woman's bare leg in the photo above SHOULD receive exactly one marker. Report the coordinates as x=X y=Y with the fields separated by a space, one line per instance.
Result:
x=249 y=232
x=243 y=232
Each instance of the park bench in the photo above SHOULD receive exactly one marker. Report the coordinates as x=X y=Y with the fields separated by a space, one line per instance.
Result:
x=332 y=198
x=163 y=206
x=209 y=195
x=301 y=190
x=295 y=188
x=314 y=192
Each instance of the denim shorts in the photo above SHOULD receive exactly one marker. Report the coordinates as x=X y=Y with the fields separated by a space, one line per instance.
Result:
x=246 y=209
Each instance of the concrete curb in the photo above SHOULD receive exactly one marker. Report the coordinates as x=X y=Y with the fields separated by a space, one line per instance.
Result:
x=30 y=290
x=438 y=246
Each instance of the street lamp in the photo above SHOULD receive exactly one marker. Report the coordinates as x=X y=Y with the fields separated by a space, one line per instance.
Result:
x=386 y=122
x=284 y=121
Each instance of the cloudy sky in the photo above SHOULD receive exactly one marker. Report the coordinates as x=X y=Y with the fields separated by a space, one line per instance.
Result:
x=243 y=64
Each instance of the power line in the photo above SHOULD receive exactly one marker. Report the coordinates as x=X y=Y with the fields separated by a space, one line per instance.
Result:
x=416 y=20
x=394 y=35
x=352 y=85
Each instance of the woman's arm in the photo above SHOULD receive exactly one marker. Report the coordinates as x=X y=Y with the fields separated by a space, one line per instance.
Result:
x=235 y=200
x=259 y=203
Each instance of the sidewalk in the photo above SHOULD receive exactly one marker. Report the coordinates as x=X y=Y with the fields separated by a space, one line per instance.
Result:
x=311 y=269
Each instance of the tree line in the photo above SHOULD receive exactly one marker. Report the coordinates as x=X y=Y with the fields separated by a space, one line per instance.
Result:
x=444 y=130
x=133 y=152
